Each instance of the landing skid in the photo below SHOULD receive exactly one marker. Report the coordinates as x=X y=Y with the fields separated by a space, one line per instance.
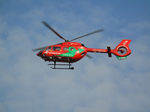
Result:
x=54 y=66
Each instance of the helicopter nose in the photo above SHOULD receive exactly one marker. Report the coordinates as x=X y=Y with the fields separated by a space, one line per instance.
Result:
x=39 y=53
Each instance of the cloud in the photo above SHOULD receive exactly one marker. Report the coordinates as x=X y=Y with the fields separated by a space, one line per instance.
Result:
x=102 y=84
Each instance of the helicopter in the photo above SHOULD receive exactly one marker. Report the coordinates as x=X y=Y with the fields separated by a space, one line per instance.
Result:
x=65 y=53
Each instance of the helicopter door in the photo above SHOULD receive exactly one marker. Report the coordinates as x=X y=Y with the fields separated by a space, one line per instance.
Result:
x=56 y=50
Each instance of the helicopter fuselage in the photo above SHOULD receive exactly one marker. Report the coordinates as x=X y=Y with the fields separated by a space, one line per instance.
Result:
x=64 y=52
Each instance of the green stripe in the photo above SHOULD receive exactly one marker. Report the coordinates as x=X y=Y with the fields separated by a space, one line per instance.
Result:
x=71 y=53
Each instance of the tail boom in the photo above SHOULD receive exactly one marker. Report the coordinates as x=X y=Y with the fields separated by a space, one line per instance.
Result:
x=96 y=50
x=121 y=50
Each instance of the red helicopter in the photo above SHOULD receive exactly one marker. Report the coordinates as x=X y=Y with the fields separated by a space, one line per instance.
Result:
x=69 y=52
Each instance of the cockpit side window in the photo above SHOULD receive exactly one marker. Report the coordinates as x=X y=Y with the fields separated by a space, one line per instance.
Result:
x=49 y=48
x=56 y=48
x=65 y=49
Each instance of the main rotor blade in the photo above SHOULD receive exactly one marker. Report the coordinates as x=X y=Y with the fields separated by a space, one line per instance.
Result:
x=90 y=57
x=49 y=27
x=39 y=49
x=100 y=30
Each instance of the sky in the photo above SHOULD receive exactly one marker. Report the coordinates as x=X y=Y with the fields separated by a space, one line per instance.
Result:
x=102 y=84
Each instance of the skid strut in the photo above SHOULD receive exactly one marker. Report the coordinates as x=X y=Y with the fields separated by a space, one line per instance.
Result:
x=65 y=64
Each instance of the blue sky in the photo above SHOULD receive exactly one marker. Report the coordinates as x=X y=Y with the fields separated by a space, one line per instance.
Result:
x=27 y=84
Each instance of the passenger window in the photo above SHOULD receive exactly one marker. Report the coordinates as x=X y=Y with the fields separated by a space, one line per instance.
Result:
x=56 y=48
x=65 y=49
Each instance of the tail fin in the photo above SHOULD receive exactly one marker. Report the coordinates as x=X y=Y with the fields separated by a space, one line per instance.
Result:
x=122 y=49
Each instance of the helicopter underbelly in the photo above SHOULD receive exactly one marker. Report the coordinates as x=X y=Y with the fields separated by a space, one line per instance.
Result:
x=61 y=59
x=66 y=58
